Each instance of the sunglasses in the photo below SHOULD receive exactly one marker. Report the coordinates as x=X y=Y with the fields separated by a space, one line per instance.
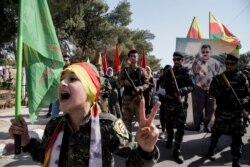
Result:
x=230 y=64
x=176 y=59
x=205 y=52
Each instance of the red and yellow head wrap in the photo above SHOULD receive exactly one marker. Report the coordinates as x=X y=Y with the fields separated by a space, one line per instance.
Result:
x=89 y=77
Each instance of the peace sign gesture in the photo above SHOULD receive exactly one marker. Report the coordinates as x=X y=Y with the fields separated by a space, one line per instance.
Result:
x=147 y=133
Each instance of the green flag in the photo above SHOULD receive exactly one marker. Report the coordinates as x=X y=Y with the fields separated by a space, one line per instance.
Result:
x=42 y=55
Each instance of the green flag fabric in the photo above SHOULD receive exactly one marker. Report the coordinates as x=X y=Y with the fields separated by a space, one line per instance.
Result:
x=42 y=55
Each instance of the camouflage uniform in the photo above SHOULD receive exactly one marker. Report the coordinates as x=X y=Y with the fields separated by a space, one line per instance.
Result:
x=176 y=112
x=75 y=145
x=228 y=116
x=147 y=94
x=105 y=90
x=131 y=99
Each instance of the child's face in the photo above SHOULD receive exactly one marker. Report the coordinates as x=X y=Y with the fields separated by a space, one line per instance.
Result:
x=72 y=96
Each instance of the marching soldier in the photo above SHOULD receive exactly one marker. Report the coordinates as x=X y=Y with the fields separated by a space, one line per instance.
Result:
x=134 y=84
x=105 y=89
x=177 y=83
x=231 y=91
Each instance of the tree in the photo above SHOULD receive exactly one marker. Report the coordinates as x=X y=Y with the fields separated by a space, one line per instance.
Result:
x=8 y=24
x=84 y=28
x=121 y=15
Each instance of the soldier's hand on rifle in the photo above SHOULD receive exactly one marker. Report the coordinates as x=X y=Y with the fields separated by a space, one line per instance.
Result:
x=177 y=97
x=126 y=83
x=243 y=101
x=183 y=91
x=139 y=90
x=147 y=133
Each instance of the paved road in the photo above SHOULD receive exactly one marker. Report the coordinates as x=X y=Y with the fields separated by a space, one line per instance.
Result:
x=194 y=147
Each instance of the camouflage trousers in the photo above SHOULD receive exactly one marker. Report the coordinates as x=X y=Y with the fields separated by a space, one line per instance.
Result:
x=230 y=123
x=236 y=146
x=176 y=115
x=130 y=108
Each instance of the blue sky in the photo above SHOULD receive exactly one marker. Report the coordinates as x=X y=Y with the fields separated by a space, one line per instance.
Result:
x=171 y=19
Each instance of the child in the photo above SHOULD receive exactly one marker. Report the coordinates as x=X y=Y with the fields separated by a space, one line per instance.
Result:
x=84 y=136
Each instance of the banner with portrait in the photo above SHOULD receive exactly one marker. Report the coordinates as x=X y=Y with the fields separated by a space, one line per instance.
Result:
x=205 y=59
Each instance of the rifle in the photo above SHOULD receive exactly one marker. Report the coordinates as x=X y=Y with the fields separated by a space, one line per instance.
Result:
x=243 y=111
x=176 y=85
x=131 y=82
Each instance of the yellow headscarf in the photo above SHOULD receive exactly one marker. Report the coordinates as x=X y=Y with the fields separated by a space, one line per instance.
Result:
x=89 y=77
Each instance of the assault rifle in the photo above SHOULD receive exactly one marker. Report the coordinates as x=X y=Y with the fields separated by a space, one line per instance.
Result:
x=177 y=88
x=131 y=83
x=175 y=84
x=243 y=111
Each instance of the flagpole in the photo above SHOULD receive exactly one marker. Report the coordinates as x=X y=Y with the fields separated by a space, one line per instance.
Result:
x=18 y=78
x=209 y=16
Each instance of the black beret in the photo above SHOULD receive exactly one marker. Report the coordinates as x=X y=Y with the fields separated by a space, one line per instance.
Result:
x=133 y=51
x=176 y=53
x=232 y=57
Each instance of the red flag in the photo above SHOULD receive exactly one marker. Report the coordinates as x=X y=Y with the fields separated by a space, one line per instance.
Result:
x=117 y=59
x=105 y=62
x=143 y=60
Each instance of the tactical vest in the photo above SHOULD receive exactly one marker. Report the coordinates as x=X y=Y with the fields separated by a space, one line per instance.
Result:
x=237 y=81
x=182 y=78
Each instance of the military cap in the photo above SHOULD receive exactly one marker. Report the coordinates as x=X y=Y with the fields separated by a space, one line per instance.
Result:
x=232 y=57
x=179 y=54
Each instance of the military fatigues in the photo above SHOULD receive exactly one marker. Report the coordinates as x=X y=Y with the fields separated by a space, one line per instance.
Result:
x=131 y=99
x=228 y=116
x=105 y=90
x=176 y=111
x=76 y=145
x=147 y=94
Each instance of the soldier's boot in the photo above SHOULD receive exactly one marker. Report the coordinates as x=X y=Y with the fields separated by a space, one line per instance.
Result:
x=236 y=163
x=211 y=152
x=177 y=156
x=177 y=153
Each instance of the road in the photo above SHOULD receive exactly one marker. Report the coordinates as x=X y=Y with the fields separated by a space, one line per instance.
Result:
x=194 y=146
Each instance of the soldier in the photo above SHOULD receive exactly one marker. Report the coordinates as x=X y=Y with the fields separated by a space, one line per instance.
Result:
x=246 y=72
x=132 y=95
x=228 y=114
x=148 y=93
x=105 y=88
x=161 y=95
x=84 y=136
x=176 y=103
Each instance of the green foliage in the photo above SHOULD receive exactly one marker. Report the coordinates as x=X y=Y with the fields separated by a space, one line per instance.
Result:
x=244 y=60
x=86 y=24
x=121 y=15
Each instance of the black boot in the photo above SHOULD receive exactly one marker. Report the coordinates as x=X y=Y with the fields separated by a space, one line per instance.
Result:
x=169 y=144
x=210 y=153
x=177 y=156
x=236 y=163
